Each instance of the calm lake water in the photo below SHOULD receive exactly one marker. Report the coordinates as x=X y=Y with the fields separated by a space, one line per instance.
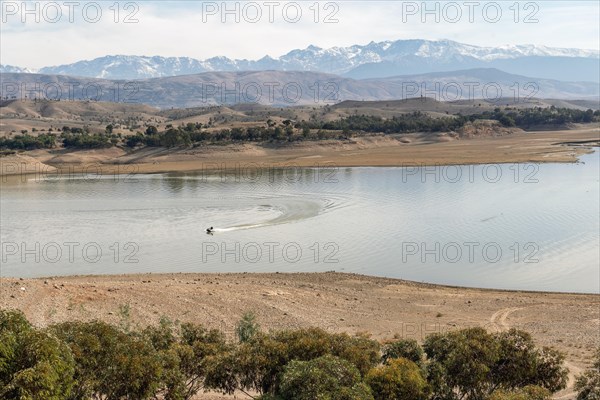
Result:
x=512 y=226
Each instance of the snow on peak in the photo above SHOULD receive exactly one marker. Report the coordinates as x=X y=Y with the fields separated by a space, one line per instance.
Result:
x=337 y=60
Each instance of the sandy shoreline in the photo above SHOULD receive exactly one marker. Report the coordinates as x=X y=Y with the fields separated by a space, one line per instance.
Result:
x=375 y=151
x=346 y=302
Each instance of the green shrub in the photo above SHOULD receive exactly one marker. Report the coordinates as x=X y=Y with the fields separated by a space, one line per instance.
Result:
x=257 y=364
x=33 y=364
x=461 y=362
x=327 y=378
x=473 y=363
x=175 y=137
x=526 y=393
x=550 y=370
x=185 y=356
x=110 y=362
x=28 y=142
x=247 y=327
x=404 y=348
x=135 y=140
x=521 y=363
x=80 y=360
x=309 y=343
x=398 y=379
x=360 y=351
x=86 y=141
x=588 y=384
x=253 y=365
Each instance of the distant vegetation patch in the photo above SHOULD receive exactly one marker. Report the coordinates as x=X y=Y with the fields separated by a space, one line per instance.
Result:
x=28 y=142
x=422 y=122
x=196 y=134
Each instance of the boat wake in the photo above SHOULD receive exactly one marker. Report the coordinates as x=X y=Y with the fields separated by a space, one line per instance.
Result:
x=290 y=210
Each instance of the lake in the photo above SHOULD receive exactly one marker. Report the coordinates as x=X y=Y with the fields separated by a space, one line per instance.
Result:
x=510 y=226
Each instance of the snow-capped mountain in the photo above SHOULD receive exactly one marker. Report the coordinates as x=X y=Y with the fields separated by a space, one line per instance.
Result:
x=129 y=67
x=382 y=59
x=342 y=60
x=12 y=69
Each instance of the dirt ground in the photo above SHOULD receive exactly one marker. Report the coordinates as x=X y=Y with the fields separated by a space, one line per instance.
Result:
x=385 y=308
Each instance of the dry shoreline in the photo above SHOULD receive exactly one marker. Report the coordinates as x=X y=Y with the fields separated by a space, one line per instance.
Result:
x=371 y=151
x=350 y=303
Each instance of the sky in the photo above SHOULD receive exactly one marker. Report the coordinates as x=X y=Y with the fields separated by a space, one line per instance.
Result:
x=45 y=33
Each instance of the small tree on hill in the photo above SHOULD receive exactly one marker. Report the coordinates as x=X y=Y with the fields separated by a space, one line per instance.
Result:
x=247 y=328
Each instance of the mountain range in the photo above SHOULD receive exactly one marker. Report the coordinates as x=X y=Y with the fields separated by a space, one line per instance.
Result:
x=289 y=88
x=374 y=60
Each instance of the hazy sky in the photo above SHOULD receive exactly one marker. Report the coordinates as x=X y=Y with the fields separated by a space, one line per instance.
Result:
x=68 y=32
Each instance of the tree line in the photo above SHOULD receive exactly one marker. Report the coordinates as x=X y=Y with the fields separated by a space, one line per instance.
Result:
x=70 y=138
x=172 y=361
x=422 y=122
x=530 y=117
x=194 y=134
x=190 y=134
x=406 y=123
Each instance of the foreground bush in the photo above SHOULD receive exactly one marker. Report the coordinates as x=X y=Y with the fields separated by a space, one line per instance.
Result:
x=186 y=357
x=521 y=363
x=326 y=377
x=472 y=364
x=257 y=364
x=527 y=393
x=33 y=363
x=398 y=379
x=588 y=384
x=96 y=360
x=110 y=363
x=405 y=348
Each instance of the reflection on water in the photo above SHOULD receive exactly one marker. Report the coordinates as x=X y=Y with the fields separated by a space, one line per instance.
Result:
x=509 y=226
